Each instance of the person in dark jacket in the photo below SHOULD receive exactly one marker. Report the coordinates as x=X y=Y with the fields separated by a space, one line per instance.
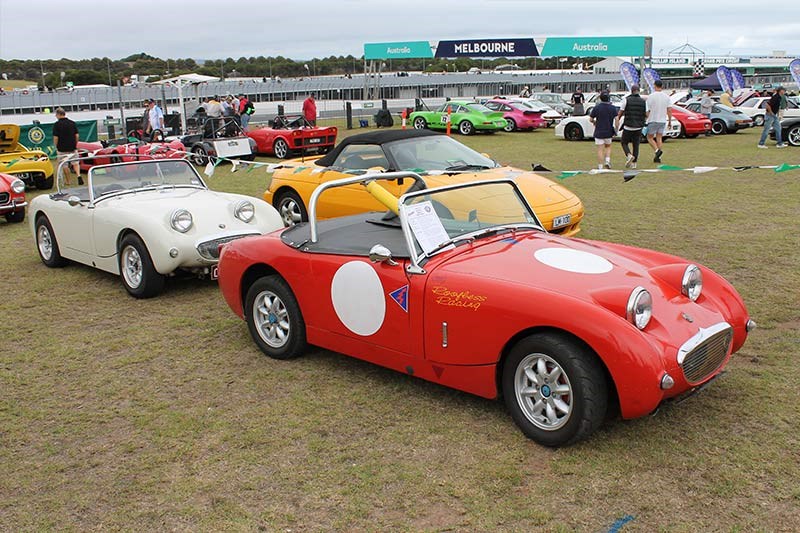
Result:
x=65 y=138
x=634 y=110
x=602 y=116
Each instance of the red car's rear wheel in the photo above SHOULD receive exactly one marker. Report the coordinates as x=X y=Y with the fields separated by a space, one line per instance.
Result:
x=280 y=149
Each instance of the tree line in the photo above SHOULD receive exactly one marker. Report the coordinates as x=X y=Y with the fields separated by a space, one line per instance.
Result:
x=57 y=72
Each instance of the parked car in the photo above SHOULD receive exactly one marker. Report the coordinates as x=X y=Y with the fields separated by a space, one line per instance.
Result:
x=33 y=167
x=756 y=108
x=554 y=100
x=441 y=159
x=464 y=117
x=790 y=130
x=692 y=124
x=121 y=150
x=460 y=285
x=548 y=113
x=579 y=128
x=518 y=115
x=12 y=198
x=219 y=137
x=724 y=119
x=145 y=221
x=292 y=134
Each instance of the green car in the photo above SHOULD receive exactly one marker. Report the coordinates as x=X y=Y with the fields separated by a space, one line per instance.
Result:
x=465 y=117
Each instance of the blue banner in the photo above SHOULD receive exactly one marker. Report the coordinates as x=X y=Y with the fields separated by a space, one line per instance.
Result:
x=629 y=74
x=724 y=78
x=487 y=48
x=794 y=68
x=738 y=79
x=650 y=76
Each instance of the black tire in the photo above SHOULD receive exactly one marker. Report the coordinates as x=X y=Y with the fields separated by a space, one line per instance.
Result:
x=510 y=126
x=290 y=206
x=683 y=132
x=133 y=258
x=793 y=135
x=758 y=120
x=280 y=149
x=465 y=127
x=43 y=183
x=46 y=244
x=279 y=330
x=718 y=127
x=16 y=216
x=420 y=123
x=573 y=132
x=199 y=156
x=581 y=376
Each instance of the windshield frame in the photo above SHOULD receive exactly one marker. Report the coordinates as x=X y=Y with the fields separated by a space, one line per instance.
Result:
x=93 y=199
x=419 y=259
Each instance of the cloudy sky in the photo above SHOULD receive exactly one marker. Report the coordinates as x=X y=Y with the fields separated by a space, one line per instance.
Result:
x=302 y=29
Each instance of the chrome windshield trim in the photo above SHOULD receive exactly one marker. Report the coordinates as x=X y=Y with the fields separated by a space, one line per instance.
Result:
x=698 y=338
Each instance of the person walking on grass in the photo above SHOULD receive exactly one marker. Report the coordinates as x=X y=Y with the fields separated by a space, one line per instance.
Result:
x=633 y=109
x=65 y=139
x=603 y=116
x=771 y=119
x=659 y=117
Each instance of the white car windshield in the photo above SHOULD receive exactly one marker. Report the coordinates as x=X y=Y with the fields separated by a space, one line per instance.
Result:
x=449 y=216
x=436 y=152
x=141 y=175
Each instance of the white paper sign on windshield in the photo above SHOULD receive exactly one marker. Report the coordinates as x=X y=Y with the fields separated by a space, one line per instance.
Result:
x=425 y=225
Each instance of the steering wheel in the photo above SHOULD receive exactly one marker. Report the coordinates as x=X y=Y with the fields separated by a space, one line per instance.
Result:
x=157 y=136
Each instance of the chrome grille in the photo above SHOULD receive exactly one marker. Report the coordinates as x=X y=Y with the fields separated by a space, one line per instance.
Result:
x=210 y=249
x=4 y=197
x=705 y=358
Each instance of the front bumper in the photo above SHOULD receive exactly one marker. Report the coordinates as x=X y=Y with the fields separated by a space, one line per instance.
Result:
x=12 y=207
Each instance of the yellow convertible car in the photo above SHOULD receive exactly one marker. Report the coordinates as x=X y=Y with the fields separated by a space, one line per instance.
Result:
x=31 y=166
x=438 y=158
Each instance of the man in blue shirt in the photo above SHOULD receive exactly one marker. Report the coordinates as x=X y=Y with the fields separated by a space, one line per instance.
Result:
x=602 y=116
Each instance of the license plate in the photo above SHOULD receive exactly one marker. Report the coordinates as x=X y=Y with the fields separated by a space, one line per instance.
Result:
x=215 y=272
x=315 y=140
x=563 y=220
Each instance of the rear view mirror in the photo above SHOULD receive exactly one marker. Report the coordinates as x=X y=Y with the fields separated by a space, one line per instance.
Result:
x=379 y=254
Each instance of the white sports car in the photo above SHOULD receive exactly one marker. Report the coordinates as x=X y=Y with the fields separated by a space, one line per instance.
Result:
x=579 y=128
x=145 y=221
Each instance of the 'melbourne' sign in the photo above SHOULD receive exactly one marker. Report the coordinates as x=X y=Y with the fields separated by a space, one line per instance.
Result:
x=487 y=48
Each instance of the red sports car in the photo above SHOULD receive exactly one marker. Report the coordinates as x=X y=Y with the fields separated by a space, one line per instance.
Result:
x=518 y=115
x=460 y=285
x=289 y=135
x=12 y=198
x=692 y=124
x=120 y=150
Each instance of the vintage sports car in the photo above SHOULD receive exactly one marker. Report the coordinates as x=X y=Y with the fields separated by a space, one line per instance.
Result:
x=145 y=221
x=121 y=150
x=289 y=135
x=465 y=117
x=554 y=100
x=33 y=167
x=12 y=198
x=442 y=160
x=790 y=130
x=579 y=128
x=692 y=124
x=219 y=137
x=460 y=285
x=756 y=108
x=724 y=119
x=518 y=115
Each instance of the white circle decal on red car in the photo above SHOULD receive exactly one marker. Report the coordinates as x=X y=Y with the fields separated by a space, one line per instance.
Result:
x=358 y=299
x=573 y=260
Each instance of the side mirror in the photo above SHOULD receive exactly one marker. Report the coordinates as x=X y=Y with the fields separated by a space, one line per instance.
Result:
x=379 y=254
x=74 y=201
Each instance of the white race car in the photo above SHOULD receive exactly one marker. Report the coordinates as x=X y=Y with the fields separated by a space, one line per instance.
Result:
x=145 y=221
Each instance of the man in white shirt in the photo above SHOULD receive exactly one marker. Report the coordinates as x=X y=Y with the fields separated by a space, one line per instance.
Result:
x=155 y=118
x=659 y=116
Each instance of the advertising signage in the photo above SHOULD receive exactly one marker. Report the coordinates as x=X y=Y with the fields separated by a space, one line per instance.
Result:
x=598 y=46
x=401 y=50
x=487 y=48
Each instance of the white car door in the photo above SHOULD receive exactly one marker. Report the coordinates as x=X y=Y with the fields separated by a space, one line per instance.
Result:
x=72 y=225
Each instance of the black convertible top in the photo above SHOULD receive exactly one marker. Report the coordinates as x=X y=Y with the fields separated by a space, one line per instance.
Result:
x=372 y=137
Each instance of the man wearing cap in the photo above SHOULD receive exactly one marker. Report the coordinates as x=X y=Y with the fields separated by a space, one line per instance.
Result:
x=771 y=119
x=634 y=109
x=602 y=116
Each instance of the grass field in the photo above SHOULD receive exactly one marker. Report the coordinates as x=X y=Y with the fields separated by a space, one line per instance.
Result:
x=16 y=84
x=162 y=414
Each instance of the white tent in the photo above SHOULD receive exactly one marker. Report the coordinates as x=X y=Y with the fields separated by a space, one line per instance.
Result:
x=182 y=81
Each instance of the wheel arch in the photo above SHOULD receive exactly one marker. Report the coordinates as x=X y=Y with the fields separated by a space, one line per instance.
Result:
x=283 y=189
x=253 y=273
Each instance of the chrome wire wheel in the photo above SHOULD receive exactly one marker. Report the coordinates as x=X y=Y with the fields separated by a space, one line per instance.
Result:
x=543 y=391
x=271 y=319
x=45 y=241
x=131 y=266
x=290 y=211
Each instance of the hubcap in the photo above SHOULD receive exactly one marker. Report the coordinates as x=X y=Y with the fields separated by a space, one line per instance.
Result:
x=45 y=242
x=509 y=125
x=290 y=212
x=131 y=266
x=465 y=128
x=199 y=157
x=419 y=124
x=280 y=149
x=543 y=391
x=794 y=137
x=271 y=319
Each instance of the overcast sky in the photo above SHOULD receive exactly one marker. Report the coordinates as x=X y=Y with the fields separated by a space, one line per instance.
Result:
x=42 y=29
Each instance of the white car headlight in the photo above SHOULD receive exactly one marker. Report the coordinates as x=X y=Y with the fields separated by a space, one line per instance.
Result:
x=18 y=186
x=640 y=307
x=692 y=283
x=244 y=211
x=181 y=220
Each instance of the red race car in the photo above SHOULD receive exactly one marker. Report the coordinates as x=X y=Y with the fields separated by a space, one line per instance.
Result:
x=121 y=150
x=692 y=124
x=12 y=198
x=475 y=295
x=289 y=135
